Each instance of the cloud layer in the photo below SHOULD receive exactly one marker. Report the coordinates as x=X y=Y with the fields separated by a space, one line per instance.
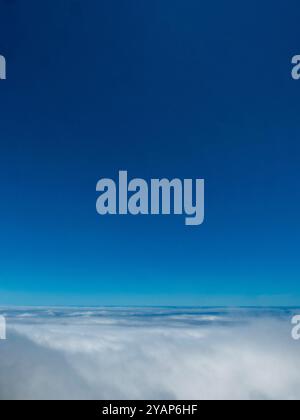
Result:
x=149 y=354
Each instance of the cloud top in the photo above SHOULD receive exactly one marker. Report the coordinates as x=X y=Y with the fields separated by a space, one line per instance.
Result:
x=149 y=353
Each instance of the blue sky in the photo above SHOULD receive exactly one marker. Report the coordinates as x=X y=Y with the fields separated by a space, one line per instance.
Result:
x=161 y=89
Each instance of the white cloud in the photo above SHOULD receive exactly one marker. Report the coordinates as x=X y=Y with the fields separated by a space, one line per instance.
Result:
x=149 y=354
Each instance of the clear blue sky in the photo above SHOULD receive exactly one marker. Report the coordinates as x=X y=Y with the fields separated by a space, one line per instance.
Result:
x=161 y=88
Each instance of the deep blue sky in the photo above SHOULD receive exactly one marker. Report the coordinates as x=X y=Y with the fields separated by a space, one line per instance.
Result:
x=162 y=88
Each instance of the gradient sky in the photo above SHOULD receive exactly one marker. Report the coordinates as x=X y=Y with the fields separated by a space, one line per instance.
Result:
x=161 y=88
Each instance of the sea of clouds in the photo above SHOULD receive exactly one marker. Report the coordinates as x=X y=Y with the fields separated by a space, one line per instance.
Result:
x=152 y=353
